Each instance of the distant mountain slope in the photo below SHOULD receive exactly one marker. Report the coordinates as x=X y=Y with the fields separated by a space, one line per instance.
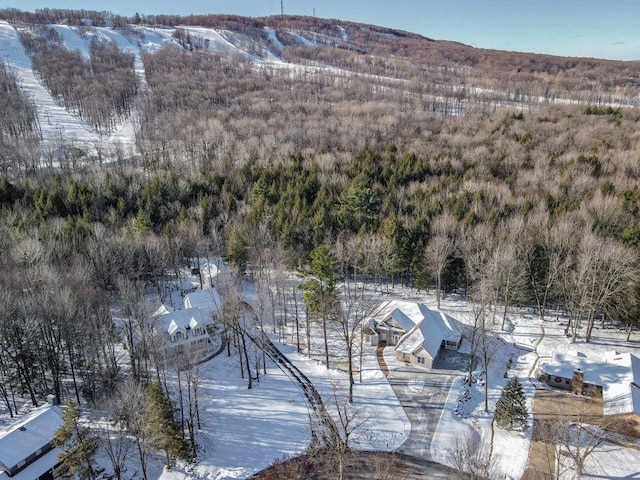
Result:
x=55 y=121
x=447 y=78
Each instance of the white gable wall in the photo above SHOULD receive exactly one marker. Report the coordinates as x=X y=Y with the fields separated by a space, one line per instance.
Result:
x=416 y=331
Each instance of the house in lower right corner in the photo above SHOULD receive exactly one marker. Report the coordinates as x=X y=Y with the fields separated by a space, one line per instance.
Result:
x=614 y=376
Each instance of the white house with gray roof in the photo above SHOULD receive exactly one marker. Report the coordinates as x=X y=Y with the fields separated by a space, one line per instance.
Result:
x=188 y=334
x=417 y=332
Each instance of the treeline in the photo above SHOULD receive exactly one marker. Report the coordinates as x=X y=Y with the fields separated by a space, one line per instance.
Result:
x=19 y=129
x=213 y=110
x=516 y=182
x=100 y=89
x=367 y=49
x=47 y=16
x=62 y=269
x=382 y=50
x=529 y=78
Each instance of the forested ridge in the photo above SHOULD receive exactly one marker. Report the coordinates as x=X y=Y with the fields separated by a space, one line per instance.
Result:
x=508 y=177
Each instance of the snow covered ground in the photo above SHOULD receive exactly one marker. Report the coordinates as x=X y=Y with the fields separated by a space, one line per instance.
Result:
x=58 y=125
x=61 y=127
x=524 y=341
x=55 y=121
x=245 y=431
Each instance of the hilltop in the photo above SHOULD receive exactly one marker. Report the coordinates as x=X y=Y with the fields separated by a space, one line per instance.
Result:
x=162 y=73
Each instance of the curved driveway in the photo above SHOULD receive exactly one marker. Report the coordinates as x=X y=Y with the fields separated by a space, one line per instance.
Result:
x=423 y=394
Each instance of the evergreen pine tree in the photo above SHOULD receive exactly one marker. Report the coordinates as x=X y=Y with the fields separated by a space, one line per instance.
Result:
x=319 y=290
x=163 y=431
x=77 y=443
x=511 y=409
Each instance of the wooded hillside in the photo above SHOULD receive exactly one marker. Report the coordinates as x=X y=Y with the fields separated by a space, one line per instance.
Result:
x=511 y=176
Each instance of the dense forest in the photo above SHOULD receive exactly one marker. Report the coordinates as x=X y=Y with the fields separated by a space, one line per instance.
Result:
x=508 y=177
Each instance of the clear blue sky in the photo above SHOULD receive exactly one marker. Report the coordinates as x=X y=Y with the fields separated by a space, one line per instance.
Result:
x=591 y=28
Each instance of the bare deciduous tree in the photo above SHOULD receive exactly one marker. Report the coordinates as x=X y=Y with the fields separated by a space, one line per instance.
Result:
x=440 y=248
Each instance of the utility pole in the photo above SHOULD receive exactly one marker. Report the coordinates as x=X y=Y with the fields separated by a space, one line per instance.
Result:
x=282 y=8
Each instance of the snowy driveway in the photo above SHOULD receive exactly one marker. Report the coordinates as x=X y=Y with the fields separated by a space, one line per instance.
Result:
x=423 y=395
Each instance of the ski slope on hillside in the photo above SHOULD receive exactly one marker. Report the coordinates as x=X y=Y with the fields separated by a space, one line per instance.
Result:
x=55 y=121
x=61 y=127
x=73 y=40
x=57 y=125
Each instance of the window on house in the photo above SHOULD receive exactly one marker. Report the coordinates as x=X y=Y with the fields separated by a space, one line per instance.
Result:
x=178 y=336
x=421 y=360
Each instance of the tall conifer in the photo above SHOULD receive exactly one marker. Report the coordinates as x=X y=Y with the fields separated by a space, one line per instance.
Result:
x=511 y=409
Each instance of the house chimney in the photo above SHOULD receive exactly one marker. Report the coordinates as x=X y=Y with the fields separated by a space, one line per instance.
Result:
x=577 y=383
x=51 y=399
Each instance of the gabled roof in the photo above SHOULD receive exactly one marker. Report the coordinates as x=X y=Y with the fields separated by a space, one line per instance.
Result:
x=29 y=434
x=187 y=318
x=436 y=327
x=433 y=328
x=208 y=301
x=423 y=327
x=403 y=320
x=162 y=310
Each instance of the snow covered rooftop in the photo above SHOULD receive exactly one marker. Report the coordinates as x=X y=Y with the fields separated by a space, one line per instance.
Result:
x=436 y=327
x=406 y=323
x=37 y=468
x=617 y=373
x=180 y=319
x=425 y=328
x=208 y=301
x=25 y=437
